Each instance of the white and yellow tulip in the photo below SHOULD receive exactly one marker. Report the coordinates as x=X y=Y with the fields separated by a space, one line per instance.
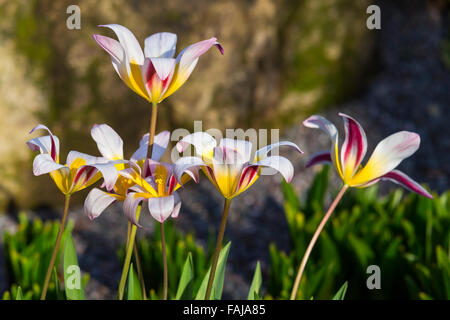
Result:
x=80 y=171
x=388 y=154
x=110 y=145
x=154 y=73
x=228 y=165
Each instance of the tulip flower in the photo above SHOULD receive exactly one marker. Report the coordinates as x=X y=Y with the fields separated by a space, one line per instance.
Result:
x=230 y=169
x=154 y=73
x=80 y=171
x=388 y=154
x=110 y=145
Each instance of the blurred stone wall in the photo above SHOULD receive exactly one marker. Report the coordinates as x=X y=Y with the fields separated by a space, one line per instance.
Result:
x=283 y=59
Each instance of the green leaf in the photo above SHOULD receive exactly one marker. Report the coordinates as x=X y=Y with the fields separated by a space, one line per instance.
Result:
x=340 y=295
x=72 y=272
x=255 y=287
x=217 y=286
x=19 y=295
x=134 y=291
x=187 y=275
x=59 y=294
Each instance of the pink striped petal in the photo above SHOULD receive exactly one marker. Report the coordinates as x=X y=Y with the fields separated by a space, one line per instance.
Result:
x=157 y=74
x=42 y=145
x=96 y=202
x=161 y=208
x=402 y=179
x=248 y=176
x=129 y=43
x=189 y=56
x=323 y=157
x=109 y=143
x=354 y=148
x=388 y=154
x=161 y=45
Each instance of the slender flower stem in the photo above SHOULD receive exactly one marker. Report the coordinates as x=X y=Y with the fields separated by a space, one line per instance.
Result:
x=126 y=265
x=314 y=239
x=152 y=130
x=163 y=248
x=56 y=248
x=139 y=270
x=223 y=224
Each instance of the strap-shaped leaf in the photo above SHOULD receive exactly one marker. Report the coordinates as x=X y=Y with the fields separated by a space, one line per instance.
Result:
x=59 y=294
x=340 y=295
x=255 y=288
x=217 y=286
x=133 y=291
x=72 y=273
x=184 y=290
x=19 y=295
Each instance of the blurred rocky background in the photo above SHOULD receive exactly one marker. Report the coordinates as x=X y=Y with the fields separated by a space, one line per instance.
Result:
x=284 y=60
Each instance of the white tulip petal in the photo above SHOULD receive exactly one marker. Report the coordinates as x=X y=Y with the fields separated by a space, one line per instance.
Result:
x=281 y=164
x=129 y=43
x=388 y=154
x=43 y=163
x=161 y=44
x=202 y=141
x=96 y=202
x=109 y=143
x=161 y=208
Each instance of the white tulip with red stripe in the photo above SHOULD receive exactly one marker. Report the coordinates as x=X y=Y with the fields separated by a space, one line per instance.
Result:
x=80 y=171
x=388 y=154
x=153 y=74
x=228 y=165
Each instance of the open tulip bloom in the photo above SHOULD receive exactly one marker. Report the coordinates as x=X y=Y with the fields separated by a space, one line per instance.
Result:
x=153 y=74
x=110 y=145
x=231 y=170
x=388 y=154
x=80 y=171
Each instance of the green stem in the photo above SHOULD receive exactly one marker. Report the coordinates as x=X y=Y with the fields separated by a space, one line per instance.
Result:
x=139 y=270
x=223 y=224
x=56 y=247
x=126 y=265
x=152 y=129
x=164 y=254
x=313 y=241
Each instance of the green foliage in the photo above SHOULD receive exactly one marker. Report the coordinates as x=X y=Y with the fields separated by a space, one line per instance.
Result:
x=217 y=286
x=28 y=253
x=72 y=274
x=408 y=237
x=178 y=246
x=340 y=295
x=255 y=288
x=133 y=289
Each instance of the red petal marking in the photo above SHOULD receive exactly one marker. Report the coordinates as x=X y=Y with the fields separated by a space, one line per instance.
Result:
x=319 y=158
x=407 y=182
x=247 y=175
x=172 y=183
x=354 y=139
x=219 y=46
